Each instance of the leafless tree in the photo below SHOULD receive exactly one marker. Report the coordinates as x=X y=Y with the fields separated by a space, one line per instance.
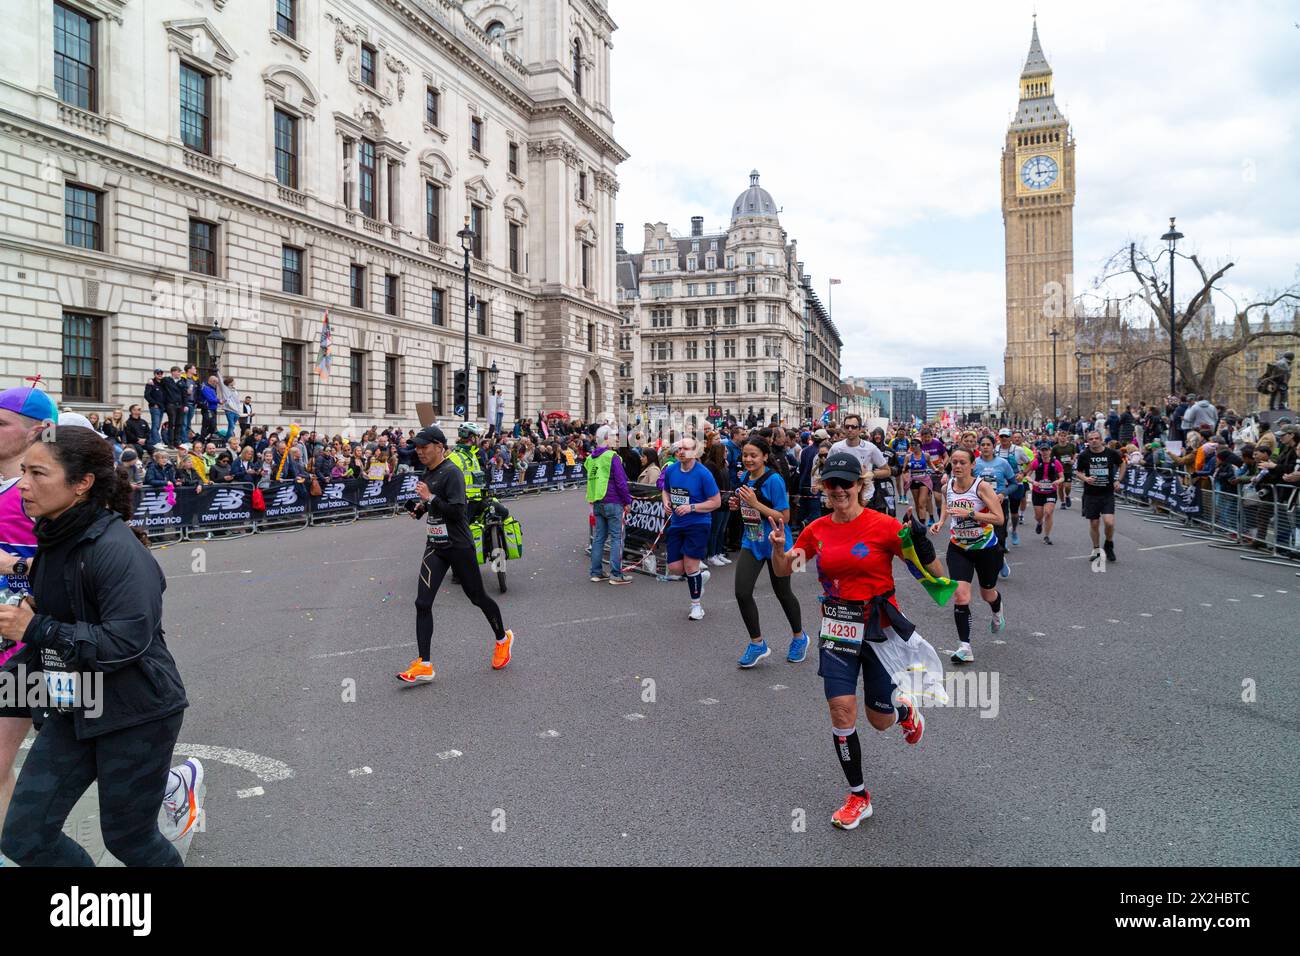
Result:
x=1197 y=370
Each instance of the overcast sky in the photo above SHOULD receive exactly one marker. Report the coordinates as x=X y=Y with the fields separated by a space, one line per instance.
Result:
x=878 y=129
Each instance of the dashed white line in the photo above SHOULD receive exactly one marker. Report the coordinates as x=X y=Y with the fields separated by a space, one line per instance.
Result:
x=709 y=700
x=588 y=620
x=779 y=687
x=250 y=792
x=1161 y=547
x=360 y=772
x=549 y=733
x=1145 y=614
x=1038 y=634
x=450 y=754
x=634 y=716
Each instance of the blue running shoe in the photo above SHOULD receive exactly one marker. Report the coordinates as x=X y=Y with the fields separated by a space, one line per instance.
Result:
x=1006 y=568
x=798 y=648
x=754 y=653
x=1015 y=537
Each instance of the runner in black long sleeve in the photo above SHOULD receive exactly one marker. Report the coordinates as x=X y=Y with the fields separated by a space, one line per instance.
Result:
x=449 y=545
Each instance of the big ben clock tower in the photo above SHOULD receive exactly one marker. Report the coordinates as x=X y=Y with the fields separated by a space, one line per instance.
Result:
x=1038 y=215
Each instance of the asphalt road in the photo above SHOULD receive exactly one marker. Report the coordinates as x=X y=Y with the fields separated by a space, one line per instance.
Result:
x=1117 y=735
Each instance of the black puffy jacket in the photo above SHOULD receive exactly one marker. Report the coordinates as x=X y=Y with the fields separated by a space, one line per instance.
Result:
x=115 y=588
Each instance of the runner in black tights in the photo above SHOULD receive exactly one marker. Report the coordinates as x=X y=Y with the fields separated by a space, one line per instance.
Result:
x=449 y=546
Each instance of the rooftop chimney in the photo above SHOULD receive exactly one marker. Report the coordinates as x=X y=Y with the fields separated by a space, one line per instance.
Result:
x=618 y=237
x=697 y=225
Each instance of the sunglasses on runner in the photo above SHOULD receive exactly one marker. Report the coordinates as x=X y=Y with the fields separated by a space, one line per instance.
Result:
x=838 y=484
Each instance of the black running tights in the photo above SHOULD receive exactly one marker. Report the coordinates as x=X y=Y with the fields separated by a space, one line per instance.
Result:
x=747 y=568
x=433 y=569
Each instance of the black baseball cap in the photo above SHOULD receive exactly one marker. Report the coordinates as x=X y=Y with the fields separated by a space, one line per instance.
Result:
x=843 y=466
x=429 y=435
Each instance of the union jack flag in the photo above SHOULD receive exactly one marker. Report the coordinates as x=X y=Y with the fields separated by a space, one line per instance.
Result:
x=826 y=415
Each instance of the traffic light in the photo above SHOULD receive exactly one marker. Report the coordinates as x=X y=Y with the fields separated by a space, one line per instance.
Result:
x=460 y=393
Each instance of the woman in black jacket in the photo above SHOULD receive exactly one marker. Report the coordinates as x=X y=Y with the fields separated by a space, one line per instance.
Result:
x=115 y=698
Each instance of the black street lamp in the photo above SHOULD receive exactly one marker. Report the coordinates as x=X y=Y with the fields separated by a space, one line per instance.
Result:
x=778 y=391
x=1078 y=394
x=1055 y=410
x=216 y=345
x=1172 y=237
x=466 y=237
x=713 y=333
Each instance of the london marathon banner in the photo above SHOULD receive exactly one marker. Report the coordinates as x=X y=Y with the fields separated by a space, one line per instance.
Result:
x=1164 y=487
x=646 y=518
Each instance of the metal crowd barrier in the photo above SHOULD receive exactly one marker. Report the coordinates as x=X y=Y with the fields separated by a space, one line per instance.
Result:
x=1259 y=529
x=225 y=510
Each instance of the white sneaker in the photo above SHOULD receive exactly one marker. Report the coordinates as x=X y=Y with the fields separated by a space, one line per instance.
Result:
x=963 y=654
x=725 y=560
x=180 y=803
x=697 y=612
x=714 y=560
x=705 y=574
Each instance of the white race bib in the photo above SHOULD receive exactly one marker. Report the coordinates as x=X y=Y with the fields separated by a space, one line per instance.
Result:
x=843 y=623
x=679 y=496
x=61 y=686
x=438 y=531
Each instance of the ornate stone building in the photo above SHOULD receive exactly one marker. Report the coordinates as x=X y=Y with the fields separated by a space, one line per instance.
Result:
x=258 y=164
x=736 y=300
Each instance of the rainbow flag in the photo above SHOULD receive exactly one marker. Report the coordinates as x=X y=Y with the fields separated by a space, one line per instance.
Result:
x=941 y=589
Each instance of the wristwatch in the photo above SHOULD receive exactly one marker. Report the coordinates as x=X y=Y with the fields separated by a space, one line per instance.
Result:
x=21 y=568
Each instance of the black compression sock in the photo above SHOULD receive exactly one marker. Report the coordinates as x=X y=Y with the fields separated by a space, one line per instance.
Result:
x=996 y=603
x=961 y=614
x=696 y=584
x=849 y=750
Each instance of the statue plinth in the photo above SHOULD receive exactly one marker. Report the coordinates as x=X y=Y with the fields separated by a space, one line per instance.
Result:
x=1276 y=417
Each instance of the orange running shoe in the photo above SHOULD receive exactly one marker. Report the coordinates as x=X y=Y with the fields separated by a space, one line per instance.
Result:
x=418 y=673
x=501 y=653
x=856 y=809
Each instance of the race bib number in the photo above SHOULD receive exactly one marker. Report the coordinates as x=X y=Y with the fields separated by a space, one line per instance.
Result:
x=1044 y=487
x=679 y=496
x=753 y=522
x=967 y=531
x=61 y=686
x=843 y=624
x=1100 y=471
x=438 y=531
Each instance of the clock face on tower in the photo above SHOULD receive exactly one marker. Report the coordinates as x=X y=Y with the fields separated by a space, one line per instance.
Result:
x=1038 y=172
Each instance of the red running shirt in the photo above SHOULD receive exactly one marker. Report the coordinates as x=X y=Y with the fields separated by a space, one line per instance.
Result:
x=855 y=560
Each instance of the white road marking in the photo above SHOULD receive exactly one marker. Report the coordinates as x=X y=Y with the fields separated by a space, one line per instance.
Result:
x=1111 y=620
x=1280 y=591
x=1038 y=634
x=549 y=733
x=589 y=620
x=360 y=772
x=266 y=769
x=1257 y=595
x=1203 y=604
x=1176 y=610
x=1076 y=627
x=1160 y=547
x=361 y=650
x=1235 y=600
x=250 y=792
x=634 y=716
x=999 y=642
x=1145 y=614
x=709 y=700
x=450 y=754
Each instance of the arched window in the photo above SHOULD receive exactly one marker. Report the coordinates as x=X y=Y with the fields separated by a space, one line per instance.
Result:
x=577 y=66
x=496 y=30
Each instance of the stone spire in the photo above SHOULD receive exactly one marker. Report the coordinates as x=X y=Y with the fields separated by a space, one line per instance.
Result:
x=1035 y=63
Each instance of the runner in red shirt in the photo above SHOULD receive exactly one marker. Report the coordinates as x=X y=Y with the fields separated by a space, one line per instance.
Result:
x=855 y=549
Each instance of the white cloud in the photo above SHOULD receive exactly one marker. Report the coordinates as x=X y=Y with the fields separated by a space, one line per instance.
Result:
x=879 y=129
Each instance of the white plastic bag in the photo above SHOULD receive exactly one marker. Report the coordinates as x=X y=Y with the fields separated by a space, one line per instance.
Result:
x=913 y=665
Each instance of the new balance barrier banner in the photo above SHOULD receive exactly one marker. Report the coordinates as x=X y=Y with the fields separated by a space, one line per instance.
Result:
x=285 y=499
x=376 y=494
x=404 y=488
x=537 y=476
x=153 y=513
x=336 y=497
x=501 y=480
x=222 y=504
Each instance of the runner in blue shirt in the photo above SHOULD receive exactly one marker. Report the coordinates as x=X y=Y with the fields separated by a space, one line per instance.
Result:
x=763 y=497
x=1004 y=475
x=689 y=494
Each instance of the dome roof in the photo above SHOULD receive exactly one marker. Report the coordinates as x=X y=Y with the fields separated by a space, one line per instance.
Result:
x=754 y=201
